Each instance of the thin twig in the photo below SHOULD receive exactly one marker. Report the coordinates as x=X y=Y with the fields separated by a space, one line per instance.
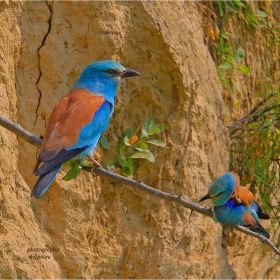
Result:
x=254 y=112
x=32 y=139
x=140 y=185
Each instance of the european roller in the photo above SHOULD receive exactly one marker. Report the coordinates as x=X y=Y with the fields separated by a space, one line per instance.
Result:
x=78 y=120
x=234 y=204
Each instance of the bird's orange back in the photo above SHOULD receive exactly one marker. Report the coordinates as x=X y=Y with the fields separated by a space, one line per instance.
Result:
x=242 y=194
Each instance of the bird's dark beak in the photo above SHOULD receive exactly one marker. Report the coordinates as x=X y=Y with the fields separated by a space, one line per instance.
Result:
x=207 y=196
x=129 y=73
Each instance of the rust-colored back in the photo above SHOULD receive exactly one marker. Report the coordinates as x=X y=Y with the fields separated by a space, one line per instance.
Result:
x=69 y=116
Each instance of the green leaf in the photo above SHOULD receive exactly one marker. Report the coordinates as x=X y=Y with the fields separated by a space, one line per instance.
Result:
x=248 y=10
x=157 y=143
x=110 y=165
x=231 y=7
x=224 y=34
x=122 y=161
x=240 y=54
x=244 y=69
x=69 y=162
x=142 y=145
x=148 y=124
x=266 y=123
x=122 y=147
x=265 y=22
x=228 y=83
x=85 y=162
x=258 y=167
x=221 y=6
x=130 y=165
x=142 y=150
x=128 y=132
x=151 y=158
x=33 y=207
x=104 y=143
x=144 y=154
x=237 y=87
x=228 y=48
x=261 y=14
x=127 y=172
x=229 y=58
x=277 y=25
x=156 y=129
x=226 y=65
x=250 y=19
x=126 y=141
x=238 y=3
x=73 y=172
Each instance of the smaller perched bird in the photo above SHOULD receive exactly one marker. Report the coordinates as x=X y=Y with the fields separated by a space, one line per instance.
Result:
x=234 y=204
x=78 y=120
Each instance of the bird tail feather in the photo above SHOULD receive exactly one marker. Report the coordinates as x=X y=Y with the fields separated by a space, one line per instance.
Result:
x=44 y=182
x=260 y=212
x=260 y=231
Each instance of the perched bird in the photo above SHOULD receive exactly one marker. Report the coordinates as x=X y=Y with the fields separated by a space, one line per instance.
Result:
x=78 y=120
x=234 y=204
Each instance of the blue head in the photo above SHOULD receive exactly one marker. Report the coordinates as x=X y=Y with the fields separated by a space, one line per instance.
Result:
x=221 y=190
x=103 y=78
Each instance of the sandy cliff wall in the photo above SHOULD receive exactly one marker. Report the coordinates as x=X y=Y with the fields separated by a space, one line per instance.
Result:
x=102 y=229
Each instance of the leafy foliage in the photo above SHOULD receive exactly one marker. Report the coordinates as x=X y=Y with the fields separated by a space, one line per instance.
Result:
x=255 y=146
x=33 y=207
x=132 y=147
x=255 y=139
x=76 y=167
x=250 y=18
x=228 y=61
x=229 y=6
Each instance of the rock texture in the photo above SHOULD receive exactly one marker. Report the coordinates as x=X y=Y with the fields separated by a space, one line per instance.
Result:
x=96 y=227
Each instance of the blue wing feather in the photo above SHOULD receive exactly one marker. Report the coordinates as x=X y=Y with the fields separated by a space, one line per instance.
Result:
x=90 y=133
x=86 y=143
x=232 y=213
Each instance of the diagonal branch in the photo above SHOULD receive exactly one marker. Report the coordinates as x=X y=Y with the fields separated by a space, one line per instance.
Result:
x=18 y=130
x=21 y=132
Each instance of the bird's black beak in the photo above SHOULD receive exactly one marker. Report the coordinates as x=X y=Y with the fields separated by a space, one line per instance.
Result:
x=129 y=73
x=207 y=196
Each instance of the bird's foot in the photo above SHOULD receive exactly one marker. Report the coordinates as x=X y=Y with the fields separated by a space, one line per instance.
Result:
x=93 y=161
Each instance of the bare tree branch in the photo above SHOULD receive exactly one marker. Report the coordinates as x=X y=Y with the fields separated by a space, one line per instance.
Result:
x=32 y=139
x=140 y=185
x=21 y=132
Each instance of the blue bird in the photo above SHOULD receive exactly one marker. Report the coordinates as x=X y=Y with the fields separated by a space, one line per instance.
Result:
x=234 y=204
x=78 y=120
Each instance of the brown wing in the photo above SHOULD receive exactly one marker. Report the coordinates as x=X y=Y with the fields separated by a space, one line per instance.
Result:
x=70 y=115
x=249 y=220
x=241 y=194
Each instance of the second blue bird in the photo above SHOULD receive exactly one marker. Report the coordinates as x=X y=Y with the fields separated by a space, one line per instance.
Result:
x=234 y=204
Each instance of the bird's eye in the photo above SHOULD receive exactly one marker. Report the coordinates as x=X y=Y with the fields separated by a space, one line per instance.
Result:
x=217 y=195
x=112 y=72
